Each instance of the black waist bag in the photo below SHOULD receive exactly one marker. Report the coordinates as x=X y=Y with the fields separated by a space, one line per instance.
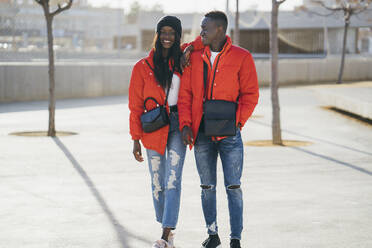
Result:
x=154 y=119
x=219 y=118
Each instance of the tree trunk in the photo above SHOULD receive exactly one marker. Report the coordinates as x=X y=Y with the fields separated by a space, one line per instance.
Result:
x=341 y=72
x=52 y=100
x=236 y=31
x=14 y=45
x=276 y=130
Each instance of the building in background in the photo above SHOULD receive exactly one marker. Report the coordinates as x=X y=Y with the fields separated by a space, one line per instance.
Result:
x=84 y=28
x=22 y=26
x=299 y=32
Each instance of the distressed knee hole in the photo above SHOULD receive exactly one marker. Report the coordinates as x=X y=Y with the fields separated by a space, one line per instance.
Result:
x=206 y=186
x=233 y=187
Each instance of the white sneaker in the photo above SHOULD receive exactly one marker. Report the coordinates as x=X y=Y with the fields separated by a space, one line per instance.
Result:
x=161 y=243
x=171 y=240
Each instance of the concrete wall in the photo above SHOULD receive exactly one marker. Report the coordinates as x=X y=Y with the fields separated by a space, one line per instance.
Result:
x=312 y=71
x=29 y=81
x=336 y=36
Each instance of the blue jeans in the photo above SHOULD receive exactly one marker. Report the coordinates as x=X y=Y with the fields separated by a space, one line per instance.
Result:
x=166 y=176
x=231 y=152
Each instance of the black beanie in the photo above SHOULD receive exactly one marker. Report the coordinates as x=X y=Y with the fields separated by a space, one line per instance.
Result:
x=170 y=21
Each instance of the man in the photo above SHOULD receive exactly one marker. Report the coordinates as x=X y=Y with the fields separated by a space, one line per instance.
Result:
x=231 y=76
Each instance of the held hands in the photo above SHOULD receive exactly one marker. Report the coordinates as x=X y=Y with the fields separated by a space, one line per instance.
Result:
x=185 y=59
x=187 y=136
x=137 y=151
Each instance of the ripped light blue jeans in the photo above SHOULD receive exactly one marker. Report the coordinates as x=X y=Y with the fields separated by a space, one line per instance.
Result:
x=231 y=152
x=166 y=176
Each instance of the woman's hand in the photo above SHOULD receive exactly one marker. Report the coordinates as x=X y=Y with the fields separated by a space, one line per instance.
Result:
x=185 y=59
x=137 y=151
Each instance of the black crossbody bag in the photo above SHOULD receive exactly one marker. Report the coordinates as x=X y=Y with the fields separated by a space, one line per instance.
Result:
x=156 y=118
x=219 y=115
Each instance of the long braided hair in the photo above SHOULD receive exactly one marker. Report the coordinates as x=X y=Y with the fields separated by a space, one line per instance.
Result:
x=163 y=73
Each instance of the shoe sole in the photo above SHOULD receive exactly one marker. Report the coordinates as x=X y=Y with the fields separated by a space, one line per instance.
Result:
x=216 y=246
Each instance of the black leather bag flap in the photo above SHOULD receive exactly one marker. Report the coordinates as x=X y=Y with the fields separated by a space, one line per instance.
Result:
x=154 y=119
x=219 y=110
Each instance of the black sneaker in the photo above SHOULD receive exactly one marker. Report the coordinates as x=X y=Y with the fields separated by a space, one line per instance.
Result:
x=235 y=243
x=212 y=241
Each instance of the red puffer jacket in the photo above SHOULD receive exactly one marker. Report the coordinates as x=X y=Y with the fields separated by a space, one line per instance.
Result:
x=233 y=75
x=143 y=84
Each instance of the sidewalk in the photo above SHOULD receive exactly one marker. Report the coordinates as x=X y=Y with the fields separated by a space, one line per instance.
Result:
x=354 y=98
x=87 y=190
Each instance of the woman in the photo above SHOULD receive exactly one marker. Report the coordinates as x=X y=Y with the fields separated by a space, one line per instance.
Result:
x=158 y=76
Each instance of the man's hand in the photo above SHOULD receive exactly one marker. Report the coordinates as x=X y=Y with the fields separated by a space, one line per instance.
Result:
x=137 y=151
x=187 y=136
x=185 y=59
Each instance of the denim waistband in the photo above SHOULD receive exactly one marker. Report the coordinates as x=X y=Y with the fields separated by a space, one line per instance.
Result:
x=173 y=108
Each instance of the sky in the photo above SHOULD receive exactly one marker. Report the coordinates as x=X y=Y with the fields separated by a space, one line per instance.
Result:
x=182 y=6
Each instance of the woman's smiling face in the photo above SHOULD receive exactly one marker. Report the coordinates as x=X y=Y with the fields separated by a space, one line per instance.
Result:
x=167 y=36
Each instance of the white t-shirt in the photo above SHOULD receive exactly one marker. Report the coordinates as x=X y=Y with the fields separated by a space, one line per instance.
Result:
x=173 y=92
x=213 y=57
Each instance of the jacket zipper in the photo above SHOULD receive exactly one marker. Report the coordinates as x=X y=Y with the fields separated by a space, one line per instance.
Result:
x=214 y=73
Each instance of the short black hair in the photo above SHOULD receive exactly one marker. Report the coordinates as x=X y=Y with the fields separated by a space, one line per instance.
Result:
x=219 y=17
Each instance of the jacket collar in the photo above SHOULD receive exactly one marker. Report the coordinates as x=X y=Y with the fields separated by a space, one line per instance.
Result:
x=226 y=47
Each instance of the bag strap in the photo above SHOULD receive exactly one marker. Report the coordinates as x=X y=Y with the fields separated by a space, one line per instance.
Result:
x=205 y=78
x=149 y=98
x=149 y=65
x=167 y=94
x=214 y=74
x=205 y=75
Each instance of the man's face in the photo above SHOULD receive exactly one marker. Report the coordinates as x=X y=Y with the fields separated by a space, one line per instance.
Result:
x=209 y=31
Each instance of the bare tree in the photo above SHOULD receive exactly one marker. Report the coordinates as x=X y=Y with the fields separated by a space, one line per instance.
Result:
x=348 y=8
x=49 y=15
x=237 y=31
x=274 y=50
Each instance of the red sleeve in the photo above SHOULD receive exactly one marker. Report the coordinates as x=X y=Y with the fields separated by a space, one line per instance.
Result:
x=136 y=102
x=248 y=92
x=184 y=102
x=197 y=44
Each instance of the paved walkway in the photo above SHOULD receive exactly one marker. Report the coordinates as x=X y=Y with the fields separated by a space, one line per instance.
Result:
x=87 y=190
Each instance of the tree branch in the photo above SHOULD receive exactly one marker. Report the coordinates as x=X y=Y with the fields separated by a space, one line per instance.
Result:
x=305 y=9
x=325 y=6
x=361 y=19
x=39 y=2
x=279 y=2
x=60 y=8
x=365 y=7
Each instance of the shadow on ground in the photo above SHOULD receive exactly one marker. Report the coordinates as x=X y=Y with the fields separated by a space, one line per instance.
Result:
x=324 y=156
x=122 y=234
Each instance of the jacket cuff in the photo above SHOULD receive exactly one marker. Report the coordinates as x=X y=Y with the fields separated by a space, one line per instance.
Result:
x=136 y=137
x=183 y=124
